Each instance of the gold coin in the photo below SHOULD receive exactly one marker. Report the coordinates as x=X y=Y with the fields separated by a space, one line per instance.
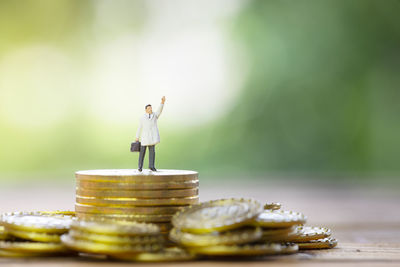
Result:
x=272 y=206
x=127 y=217
x=127 y=210
x=289 y=248
x=279 y=219
x=115 y=227
x=12 y=254
x=37 y=223
x=106 y=249
x=35 y=236
x=278 y=231
x=138 y=194
x=137 y=186
x=279 y=235
x=281 y=238
x=116 y=239
x=121 y=202
x=246 y=250
x=307 y=233
x=318 y=244
x=57 y=213
x=234 y=237
x=3 y=233
x=133 y=175
x=216 y=215
x=167 y=255
x=32 y=247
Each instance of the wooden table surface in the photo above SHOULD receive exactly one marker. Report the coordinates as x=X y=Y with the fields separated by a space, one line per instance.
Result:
x=365 y=219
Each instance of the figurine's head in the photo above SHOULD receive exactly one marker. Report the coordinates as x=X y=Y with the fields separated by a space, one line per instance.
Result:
x=148 y=109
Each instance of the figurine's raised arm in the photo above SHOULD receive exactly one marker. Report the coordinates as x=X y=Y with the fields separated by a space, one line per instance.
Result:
x=160 y=108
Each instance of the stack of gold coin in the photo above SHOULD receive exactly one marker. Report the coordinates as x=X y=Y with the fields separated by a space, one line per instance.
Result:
x=26 y=234
x=288 y=226
x=130 y=195
x=224 y=228
x=113 y=238
x=241 y=227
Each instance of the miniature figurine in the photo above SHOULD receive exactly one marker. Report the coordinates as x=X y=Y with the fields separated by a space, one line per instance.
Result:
x=148 y=134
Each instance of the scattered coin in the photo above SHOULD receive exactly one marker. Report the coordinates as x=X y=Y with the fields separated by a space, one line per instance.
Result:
x=234 y=237
x=216 y=215
x=36 y=223
x=280 y=235
x=115 y=227
x=279 y=219
x=120 y=239
x=12 y=254
x=107 y=248
x=318 y=244
x=307 y=233
x=267 y=232
x=35 y=236
x=33 y=247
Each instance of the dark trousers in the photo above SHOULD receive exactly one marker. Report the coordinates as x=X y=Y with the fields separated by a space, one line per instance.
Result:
x=152 y=156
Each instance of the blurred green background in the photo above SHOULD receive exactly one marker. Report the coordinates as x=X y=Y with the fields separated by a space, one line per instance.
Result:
x=281 y=88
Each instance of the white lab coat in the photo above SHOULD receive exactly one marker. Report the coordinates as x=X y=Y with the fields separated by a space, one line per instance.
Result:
x=148 y=131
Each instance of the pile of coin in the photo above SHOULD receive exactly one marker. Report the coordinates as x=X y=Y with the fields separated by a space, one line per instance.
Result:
x=113 y=237
x=218 y=228
x=288 y=227
x=243 y=227
x=130 y=195
x=130 y=215
x=123 y=240
x=24 y=234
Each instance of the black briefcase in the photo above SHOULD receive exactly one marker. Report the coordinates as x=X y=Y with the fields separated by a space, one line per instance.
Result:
x=135 y=146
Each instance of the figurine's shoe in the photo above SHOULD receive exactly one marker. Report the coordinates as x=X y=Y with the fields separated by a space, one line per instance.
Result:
x=153 y=169
x=140 y=169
